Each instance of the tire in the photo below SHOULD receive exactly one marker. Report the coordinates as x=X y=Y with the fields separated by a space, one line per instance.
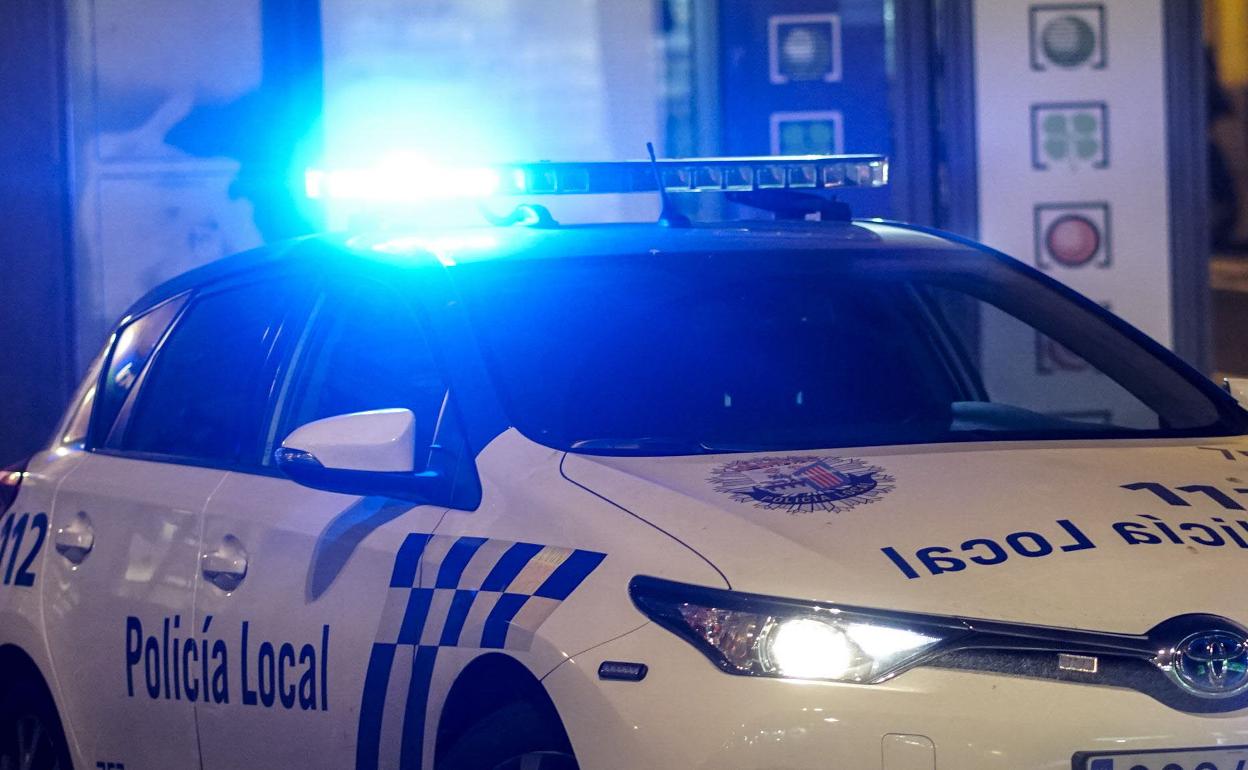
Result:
x=519 y=736
x=31 y=737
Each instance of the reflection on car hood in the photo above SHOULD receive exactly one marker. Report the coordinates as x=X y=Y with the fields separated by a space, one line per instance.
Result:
x=1111 y=535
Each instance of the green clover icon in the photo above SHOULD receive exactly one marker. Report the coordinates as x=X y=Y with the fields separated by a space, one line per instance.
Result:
x=1073 y=135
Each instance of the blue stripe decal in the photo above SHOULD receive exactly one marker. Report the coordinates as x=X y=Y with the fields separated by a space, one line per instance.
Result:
x=509 y=565
x=368 y=742
x=415 y=616
x=567 y=576
x=412 y=565
x=407 y=560
x=455 y=617
x=411 y=750
x=494 y=635
x=456 y=560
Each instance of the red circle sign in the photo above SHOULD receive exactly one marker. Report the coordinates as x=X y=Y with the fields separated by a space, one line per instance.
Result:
x=1072 y=240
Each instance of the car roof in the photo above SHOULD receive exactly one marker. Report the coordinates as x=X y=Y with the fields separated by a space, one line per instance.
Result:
x=477 y=244
x=468 y=245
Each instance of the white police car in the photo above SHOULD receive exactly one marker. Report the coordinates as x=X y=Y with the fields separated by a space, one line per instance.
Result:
x=748 y=495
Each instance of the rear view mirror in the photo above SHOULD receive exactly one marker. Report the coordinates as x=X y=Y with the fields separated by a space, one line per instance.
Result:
x=364 y=453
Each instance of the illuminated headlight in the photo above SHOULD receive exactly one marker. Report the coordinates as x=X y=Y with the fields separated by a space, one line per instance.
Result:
x=762 y=636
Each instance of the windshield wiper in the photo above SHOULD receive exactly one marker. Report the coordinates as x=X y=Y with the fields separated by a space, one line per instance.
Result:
x=640 y=444
x=666 y=445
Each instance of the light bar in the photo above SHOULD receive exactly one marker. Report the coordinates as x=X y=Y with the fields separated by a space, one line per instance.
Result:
x=407 y=183
x=694 y=175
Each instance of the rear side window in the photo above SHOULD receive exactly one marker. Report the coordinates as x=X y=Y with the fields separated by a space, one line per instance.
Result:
x=204 y=395
x=135 y=342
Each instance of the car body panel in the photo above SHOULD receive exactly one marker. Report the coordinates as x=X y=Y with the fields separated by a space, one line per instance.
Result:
x=108 y=620
x=949 y=497
x=527 y=500
x=687 y=713
x=21 y=607
x=319 y=566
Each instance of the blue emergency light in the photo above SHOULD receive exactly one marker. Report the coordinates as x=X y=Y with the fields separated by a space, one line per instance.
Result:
x=405 y=180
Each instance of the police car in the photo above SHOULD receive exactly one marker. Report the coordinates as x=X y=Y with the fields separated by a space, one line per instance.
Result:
x=755 y=494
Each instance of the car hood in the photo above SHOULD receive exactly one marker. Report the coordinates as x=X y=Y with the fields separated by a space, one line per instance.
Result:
x=1108 y=535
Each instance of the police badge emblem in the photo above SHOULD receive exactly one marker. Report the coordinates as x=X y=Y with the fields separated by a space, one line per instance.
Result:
x=802 y=483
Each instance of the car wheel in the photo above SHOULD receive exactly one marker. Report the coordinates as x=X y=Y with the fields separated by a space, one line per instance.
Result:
x=518 y=736
x=30 y=732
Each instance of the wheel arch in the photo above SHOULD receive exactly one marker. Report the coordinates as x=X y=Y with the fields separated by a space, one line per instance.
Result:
x=14 y=661
x=22 y=681
x=487 y=684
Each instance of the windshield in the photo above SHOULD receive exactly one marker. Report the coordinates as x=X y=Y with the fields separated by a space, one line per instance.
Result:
x=659 y=354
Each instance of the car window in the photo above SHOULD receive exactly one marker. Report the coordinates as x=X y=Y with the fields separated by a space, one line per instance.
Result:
x=1022 y=369
x=136 y=340
x=203 y=398
x=717 y=352
x=362 y=351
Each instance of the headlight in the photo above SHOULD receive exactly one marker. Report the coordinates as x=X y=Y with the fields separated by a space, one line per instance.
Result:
x=756 y=635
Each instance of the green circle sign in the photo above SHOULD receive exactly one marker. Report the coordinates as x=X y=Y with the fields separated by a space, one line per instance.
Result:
x=1068 y=41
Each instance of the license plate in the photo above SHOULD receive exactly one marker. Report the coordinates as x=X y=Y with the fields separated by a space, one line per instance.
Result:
x=1231 y=758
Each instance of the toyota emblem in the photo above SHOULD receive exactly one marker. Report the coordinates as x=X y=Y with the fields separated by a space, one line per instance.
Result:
x=1213 y=664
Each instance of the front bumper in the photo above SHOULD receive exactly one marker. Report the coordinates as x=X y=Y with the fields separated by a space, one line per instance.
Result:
x=688 y=714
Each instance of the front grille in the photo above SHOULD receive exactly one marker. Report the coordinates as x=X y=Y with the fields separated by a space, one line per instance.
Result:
x=1126 y=672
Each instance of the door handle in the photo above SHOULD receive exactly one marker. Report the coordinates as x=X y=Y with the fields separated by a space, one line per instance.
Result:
x=75 y=539
x=225 y=567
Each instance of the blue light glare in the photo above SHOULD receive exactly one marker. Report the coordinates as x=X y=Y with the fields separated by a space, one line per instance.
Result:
x=401 y=144
x=401 y=178
x=444 y=247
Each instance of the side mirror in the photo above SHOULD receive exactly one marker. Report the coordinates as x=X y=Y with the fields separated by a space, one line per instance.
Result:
x=382 y=441
x=364 y=453
x=1238 y=388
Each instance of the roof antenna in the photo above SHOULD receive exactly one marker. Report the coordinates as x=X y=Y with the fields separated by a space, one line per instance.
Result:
x=668 y=215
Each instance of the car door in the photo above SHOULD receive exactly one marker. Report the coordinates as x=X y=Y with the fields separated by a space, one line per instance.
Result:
x=133 y=563
x=119 y=600
x=327 y=589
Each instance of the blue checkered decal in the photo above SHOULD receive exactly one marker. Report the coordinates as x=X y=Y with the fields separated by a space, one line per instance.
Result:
x=470 y=592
